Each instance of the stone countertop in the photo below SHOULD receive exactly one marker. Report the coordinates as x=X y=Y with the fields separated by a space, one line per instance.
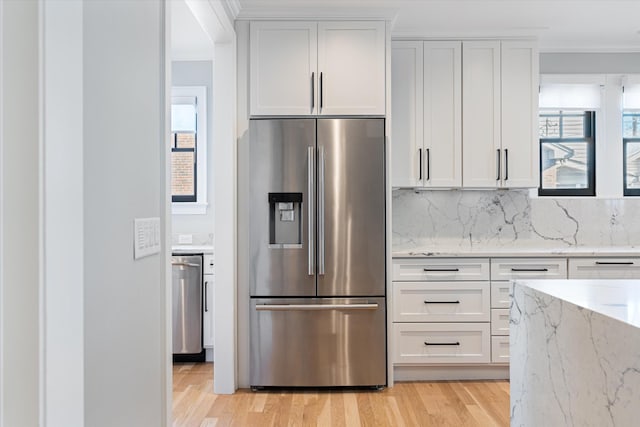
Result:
x=617 y=299
x=192 y=249
x=530 y=252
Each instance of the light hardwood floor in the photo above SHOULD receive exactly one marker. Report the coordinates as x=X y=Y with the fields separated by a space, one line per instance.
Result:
x=442 y=403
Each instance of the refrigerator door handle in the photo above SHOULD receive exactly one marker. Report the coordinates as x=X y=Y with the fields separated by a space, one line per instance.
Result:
x=321 y=211
x=311 y=192
x=315 y=307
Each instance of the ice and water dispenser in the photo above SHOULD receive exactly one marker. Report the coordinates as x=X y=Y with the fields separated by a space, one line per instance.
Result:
x=285 y=219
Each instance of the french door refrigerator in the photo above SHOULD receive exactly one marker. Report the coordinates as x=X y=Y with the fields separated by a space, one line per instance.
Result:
x=317 y=253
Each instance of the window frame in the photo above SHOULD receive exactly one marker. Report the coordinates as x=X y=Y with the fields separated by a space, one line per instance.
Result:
x=590 y=140
x=634 y=192
x=199 y=206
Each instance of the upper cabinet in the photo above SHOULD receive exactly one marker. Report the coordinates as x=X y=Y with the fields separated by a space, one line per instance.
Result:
x=426 y=106
x=500 y=108
x=464 y=114
x=317 y=68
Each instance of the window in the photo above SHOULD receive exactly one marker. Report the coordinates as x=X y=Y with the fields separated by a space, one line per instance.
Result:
x=567 y=153
x=188 y=149
x=631 y=149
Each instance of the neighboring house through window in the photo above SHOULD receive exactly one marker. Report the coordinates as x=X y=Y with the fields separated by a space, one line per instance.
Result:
x=188 y=149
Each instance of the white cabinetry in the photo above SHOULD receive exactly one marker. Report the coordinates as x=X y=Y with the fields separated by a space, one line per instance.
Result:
x=311 y=68
x=503 y=270
x=499 y=106
x=441 y=311
x=604 y=268
x=207 y=307
x=426 y=104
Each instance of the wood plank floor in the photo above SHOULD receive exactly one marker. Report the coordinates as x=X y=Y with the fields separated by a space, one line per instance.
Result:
x=442 y=403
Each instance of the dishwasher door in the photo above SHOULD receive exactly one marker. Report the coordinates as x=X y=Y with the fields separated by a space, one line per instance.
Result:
x=187 y=304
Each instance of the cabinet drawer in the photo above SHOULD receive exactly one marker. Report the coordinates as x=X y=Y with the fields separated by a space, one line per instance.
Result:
x=604 y=268
x=538 y=268
x=207 y=264
x=440 y=269
x=441 y=301
x=501 y=294
x=500 y=349
x=500 y=321
x=441 y=343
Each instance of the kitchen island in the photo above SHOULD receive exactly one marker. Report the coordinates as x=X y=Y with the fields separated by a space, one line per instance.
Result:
x=575 y=353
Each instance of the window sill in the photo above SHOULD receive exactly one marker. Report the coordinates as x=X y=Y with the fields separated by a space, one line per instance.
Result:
x=189 y=208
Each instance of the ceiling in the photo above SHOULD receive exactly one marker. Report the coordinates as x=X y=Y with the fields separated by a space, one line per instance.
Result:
x=188 y=40
x=560 y=25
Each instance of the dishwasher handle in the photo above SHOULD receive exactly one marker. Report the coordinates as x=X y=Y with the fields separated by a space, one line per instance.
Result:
x=185 y=264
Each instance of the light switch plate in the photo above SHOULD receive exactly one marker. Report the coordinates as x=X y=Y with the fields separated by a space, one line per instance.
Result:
x=146 y=237
x=185 y=239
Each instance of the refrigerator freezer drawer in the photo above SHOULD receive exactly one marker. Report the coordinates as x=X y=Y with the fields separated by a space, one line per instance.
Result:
x=318 y=342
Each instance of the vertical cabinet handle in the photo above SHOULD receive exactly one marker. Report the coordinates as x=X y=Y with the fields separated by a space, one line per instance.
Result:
x=321 y=92
x=311 y=196
x=419 y=164
x=206 y=305
x=498 y=165
x=313 y=91
x=506 y=164
x=321 y=211
x=428 y=164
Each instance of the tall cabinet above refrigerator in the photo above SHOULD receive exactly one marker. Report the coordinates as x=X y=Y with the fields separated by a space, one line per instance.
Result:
x=317 y=252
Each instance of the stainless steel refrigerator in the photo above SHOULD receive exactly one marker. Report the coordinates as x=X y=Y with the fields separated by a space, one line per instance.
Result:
x=317 y=253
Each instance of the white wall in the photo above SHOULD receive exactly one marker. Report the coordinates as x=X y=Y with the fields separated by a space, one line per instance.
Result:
x=20 y=206
x=63 y=208
x=124 y=154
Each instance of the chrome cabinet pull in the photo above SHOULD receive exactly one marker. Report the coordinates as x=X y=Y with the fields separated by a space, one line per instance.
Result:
x=315 y=307
x=506 y=164
x=313 y=90
x=321 y=211
x=310 y=191
x=206 y=305
x=428 y=164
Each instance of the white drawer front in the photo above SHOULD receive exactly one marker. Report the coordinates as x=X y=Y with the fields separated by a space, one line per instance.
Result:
x=207 y=264
x=440 y=269
x=441 y=301
x=441 y=343
x=500 y=349
x=500 y=321
x=604 y=268
x=500 y=292
x=538 y=268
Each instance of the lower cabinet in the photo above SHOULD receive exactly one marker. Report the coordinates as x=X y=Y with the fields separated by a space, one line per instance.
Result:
x=207 y=311
x=500 y=349
x=604 y=268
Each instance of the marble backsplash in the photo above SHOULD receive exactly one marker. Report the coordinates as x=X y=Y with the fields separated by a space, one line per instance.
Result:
x=471 y=220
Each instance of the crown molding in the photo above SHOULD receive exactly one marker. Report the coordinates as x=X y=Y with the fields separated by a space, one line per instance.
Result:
x=318 y=13
x=233 y=8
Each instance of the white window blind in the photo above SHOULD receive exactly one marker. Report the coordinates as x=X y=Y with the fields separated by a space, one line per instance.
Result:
x=570 y=96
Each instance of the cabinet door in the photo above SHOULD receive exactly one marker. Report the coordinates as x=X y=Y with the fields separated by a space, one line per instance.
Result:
x=519 y=72
x=481 y=112
x=351 y=63
x=207 y=311
x=442 y=114
x=406 y=107
x=283 y=63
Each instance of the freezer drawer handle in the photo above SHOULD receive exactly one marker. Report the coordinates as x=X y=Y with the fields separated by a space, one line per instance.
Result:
x=316 y=307
x=520 y=270
x=614 y=262
x=446 y=270
x=441 y=343
x=442 y=302
x=185 y=264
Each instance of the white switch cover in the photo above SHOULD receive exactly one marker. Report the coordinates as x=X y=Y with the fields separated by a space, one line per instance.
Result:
x=185 y=239
x=146 y=237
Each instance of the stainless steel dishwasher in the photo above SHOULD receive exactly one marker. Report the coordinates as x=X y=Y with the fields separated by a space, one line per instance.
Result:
x=187 y=304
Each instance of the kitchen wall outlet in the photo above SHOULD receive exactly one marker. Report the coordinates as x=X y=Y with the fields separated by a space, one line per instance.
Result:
x=146 y=237
x=185 y=239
